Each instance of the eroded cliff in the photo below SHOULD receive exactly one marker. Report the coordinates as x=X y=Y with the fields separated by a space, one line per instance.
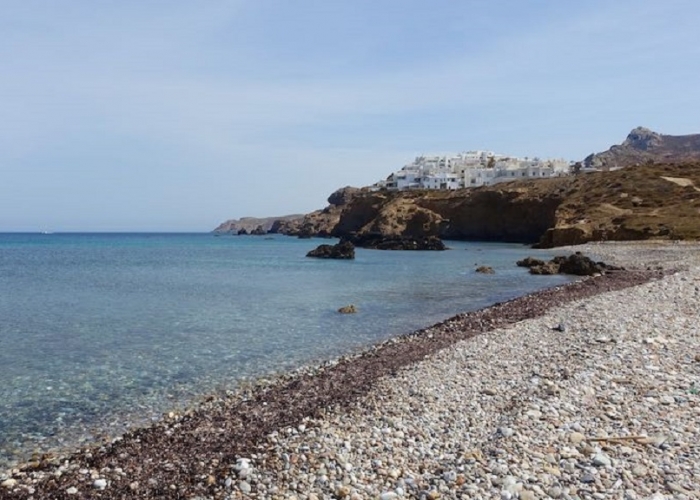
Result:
x=636 y=203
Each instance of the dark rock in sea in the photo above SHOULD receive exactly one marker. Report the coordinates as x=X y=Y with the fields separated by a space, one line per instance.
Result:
x=546 y=268
x=343 y=250
x=485 y=270
x=576 y=264
x=530 y=262
x=242 y=232
x=579 y=265
x=384 y=242
x=351 y=309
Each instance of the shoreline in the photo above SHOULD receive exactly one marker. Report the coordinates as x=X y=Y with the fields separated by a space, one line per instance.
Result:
x=249 y=415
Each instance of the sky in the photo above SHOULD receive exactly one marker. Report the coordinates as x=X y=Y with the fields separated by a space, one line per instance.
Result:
x=167 y=115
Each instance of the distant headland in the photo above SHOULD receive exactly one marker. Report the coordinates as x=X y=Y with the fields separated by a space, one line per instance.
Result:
x=647 y=187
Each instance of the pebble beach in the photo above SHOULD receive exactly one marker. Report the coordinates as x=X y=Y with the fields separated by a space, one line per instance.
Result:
x=586 y=391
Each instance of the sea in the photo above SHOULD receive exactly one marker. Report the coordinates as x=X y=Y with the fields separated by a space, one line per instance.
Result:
x=103 y=332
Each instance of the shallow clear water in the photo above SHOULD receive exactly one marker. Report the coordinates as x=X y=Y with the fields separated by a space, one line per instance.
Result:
x=99 y=331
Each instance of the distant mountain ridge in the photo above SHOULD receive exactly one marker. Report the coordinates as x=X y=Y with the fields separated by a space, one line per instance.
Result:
x=643 y=145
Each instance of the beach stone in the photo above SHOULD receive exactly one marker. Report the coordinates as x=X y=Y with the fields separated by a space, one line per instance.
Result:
x=342 y=492
x=587 y=478
x=505 y=431
x=100 y=484
x=9 y=483
x=527 y=495
x=244 y=486
x=388 y=495
x=72 y=490
x=576 y=437
x=555 y=492
x=602 y=460
x=450 y=476
x=639 y=470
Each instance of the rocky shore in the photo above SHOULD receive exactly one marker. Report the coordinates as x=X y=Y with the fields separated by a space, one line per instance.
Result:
x=588 y=390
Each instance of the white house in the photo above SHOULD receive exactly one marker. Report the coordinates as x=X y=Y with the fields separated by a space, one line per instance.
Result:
x=470 y=169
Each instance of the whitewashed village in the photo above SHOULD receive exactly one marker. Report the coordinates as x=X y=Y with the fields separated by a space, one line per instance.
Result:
x=470 y=169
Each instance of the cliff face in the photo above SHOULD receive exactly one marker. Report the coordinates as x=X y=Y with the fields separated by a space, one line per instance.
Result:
x=507 y=213
x=634 y=203
x=643 y=145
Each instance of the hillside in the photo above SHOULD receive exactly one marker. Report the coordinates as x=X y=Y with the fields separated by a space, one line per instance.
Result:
x=643 y=145
x=634 y=203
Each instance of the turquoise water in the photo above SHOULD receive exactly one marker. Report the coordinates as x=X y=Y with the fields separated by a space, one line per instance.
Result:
x=102 y=331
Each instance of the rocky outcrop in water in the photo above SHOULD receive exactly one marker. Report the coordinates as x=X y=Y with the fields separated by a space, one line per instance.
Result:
x=575 y=264
x=391 y=242
x=343 y=250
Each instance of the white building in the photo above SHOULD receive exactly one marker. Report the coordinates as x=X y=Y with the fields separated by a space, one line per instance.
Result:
x=470 y=169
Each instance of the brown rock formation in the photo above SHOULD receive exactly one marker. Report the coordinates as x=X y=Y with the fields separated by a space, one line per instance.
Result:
x=322 y=222
x=635 y=203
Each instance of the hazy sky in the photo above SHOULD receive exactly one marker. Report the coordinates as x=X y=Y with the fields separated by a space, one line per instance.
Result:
x=175 y=115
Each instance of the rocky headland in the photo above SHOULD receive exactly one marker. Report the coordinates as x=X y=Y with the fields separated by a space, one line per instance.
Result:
x=646 y=188
x=256 y=225
x=650 y=201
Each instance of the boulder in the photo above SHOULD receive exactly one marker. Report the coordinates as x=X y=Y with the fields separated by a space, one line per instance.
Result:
x=576 y=264
x=529 y=262
x=579 y=265
x=343 y=250
x=546 y=268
